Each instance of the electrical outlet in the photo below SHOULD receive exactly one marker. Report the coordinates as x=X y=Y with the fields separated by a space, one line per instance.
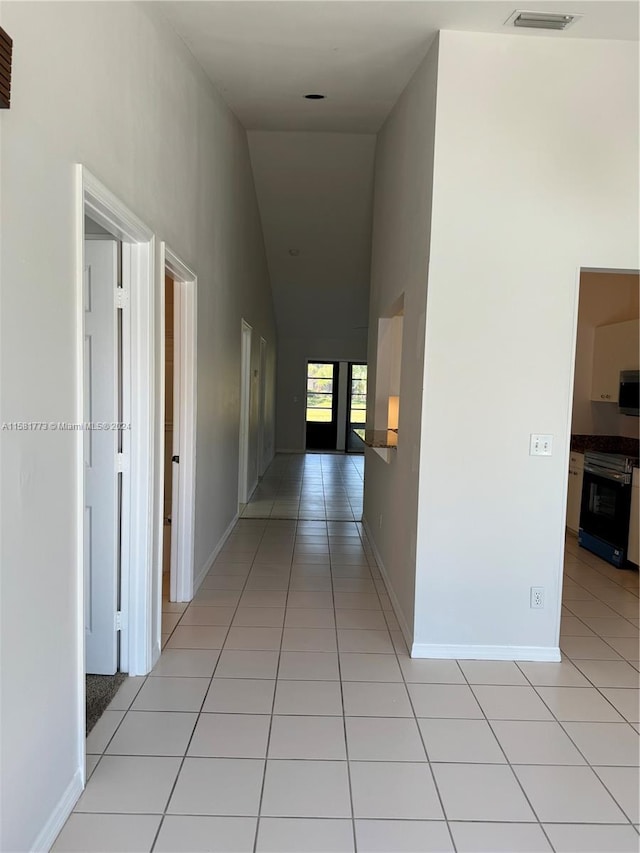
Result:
x=540 y=445
x=537 y=597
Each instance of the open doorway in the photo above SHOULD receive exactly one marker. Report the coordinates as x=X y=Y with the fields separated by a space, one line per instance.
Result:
x=177 y=484
x=603 y=479
x=106 y=364
x=262 y=391
x=245 y=413
x=168 y=556
x=114 y=431
x=107 y=372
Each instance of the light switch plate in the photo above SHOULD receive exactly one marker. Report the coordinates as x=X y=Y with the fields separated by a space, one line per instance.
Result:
x=540 y=445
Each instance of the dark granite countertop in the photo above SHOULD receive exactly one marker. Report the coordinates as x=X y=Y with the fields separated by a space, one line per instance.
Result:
x=606 y=444
x=381 y=438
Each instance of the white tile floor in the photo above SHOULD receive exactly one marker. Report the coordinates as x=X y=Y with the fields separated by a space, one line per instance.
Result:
x=286 y=716
x=312 y=486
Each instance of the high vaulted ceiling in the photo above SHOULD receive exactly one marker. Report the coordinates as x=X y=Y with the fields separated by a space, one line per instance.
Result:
x=315 y=194
x=264 y=56
x=315 y=188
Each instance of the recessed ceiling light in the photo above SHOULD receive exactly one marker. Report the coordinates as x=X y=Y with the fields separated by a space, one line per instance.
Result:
x=315 y=97
x=294 y=252
x=541 y=20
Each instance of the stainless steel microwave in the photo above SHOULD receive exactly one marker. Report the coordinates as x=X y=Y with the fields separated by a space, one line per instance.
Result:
x=629 y=398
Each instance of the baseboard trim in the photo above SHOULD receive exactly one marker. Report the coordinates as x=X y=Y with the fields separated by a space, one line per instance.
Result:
x=156 y=652
x=252 y=489
x=197 y=582
x=58 y=817
x=461 y=652
x=469 y=652
x=404 y=625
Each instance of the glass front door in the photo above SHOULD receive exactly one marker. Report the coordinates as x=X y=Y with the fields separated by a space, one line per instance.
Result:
x=322 y=405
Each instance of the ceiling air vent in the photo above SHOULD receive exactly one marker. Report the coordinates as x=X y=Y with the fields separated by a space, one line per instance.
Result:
x=541 y=20
x=6 y=47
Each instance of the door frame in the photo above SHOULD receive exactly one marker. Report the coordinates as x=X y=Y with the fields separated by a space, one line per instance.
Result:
x=246 y=335
x=185 y=355
x=262 y=400
x=573 y=353
x=343 y=404
x=99 y=203
x=350 y=366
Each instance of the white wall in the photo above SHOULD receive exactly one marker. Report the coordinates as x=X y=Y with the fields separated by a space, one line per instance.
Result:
x=314 y=192
x=604 y=298
x=536 y=175
x=400 y=251
x=105 y=85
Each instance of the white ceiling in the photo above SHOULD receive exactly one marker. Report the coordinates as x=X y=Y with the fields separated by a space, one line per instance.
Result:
x=315 y=192
x=315 y=189
x=264 y=55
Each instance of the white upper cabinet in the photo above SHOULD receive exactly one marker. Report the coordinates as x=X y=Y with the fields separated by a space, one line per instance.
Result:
x=615 y=348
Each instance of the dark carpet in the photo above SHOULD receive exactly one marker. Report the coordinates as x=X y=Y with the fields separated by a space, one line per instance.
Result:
x=100 y=691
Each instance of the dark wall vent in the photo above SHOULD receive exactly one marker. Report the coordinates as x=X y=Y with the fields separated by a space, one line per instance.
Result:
x=6 y=49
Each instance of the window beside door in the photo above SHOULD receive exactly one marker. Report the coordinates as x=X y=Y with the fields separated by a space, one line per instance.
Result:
x=358 y=398
x=357 y=407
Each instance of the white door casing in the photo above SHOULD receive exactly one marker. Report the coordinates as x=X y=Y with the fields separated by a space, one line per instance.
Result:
x=138 y=409
x=184 y=435
x=138 y=515
x=262 y=405
x=102 y=502
x=245 y=410
x=176 y=520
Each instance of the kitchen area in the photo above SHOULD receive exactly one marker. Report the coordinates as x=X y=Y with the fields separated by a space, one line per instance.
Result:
x=603 y=503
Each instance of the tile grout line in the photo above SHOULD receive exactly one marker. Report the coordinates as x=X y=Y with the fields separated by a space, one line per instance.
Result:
x=273 y=703
x=333 y=473
x=433 y=775
x=576 y=746
x=600 y=572
x=344 y=716
x=508 y=762
x=415 y=720
x=204 y=699
x=428 y=760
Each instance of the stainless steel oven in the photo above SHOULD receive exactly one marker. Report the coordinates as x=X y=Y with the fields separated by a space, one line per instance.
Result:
x=629 y=393
x=606 y=506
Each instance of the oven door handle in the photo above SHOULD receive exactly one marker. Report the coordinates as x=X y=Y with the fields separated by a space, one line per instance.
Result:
x=615 y=476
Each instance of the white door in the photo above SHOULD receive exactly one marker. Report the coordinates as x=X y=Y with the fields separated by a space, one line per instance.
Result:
x=102 y=502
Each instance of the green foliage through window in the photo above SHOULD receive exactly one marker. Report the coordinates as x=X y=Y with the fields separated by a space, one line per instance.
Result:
x=358 y=403
x=320 y=392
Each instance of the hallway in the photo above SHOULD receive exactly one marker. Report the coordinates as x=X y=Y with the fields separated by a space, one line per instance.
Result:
x=310 y=486
x=285 y=714
x=327 y=183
